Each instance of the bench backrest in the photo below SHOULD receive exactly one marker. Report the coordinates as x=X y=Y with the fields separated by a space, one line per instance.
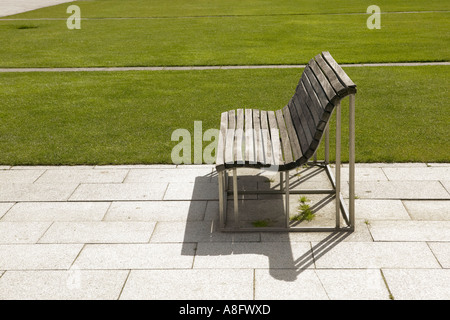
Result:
x=321 y=87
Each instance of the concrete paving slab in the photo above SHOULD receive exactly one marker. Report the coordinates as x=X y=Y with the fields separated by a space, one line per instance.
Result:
x=62 y=285
x=197 y=231
x=136 y=256
x=98 y=232
x=269 y=285
x=189 y=285
x=389 y=165
x=362 y=255
x=82 y=176
x=353 y=284
x=364 y=174
x=119 y=191
x=379 y=209
x=273 y=255
x=436 y=164
x=84 y=167
x=418 y=284
x=428 y=210
x=441 y=251
x=20 y=176
x=57 y=211
x=156 y=211
x=36 y=192
x=410 y=230
x=4 y=208
x=169 y=175
x=361 y=234
x=399 y=190
x=428 y=173
x=135 y=166
x=22 y=232
x=38 y=256
x=192 y=191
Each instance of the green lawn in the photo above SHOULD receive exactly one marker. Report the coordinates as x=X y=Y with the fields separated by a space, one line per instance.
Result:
x=184 y=8
x=128 y=117
x=224 y=40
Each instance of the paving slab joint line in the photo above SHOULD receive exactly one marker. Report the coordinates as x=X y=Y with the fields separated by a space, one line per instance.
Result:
x=391 y=296
x=124 y=284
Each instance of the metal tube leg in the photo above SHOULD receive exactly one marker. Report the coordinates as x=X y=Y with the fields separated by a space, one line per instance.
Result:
x=327 y=144
x=221 y=199
x=338 y=165
x=225 y=176
x=235 y=199
x=286 y=187
x=281 y=180
x=351 y=161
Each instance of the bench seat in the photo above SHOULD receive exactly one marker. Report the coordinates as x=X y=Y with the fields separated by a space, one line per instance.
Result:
x=289 y=137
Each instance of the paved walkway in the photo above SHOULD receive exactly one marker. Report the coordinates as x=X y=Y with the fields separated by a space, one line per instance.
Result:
x=10 y=7
x=115 y=69
x=149 y=232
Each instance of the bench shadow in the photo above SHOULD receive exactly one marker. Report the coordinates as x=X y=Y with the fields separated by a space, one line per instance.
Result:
x=288 y=254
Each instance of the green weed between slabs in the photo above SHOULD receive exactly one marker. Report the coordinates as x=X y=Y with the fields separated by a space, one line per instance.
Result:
x=304 y=211
x=402 y=113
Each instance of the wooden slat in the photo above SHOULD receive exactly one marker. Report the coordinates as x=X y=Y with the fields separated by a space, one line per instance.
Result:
x=323 y=81
x=266 y=140
x=293 y=138
x=249 y=137
x=345 y=79
x=311 y=99
x=285 y=141
x=317 y=87
x=297 y=121
x=276 y=145
x=229 y=142
x=331 y=75
x=220 y=151
x=305 y=133
x=239 y=139
x=259 y=148
x=310 y=105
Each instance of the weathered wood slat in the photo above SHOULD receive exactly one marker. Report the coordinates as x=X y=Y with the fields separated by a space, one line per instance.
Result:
x=275 y=138
x=229 y=144
x=312 y=111
x=293 y=138
x=311 y=99
x=220 y=151
x=249 y=139
x=323 y=81
x=267 y=142
x=239 y=139
x=345 y=79
x=331 y=75
x=259 y=148
x=285 y=141
x=306 y=133
x=296 y=120
x=317 y=88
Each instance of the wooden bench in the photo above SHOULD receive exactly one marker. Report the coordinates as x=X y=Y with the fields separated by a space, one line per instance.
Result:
x=288 y=138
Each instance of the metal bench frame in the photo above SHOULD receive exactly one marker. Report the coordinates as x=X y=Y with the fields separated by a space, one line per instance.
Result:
x=348 y=214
